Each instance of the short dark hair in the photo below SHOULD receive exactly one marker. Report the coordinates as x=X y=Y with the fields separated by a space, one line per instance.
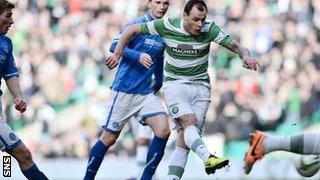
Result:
x=200 y=4
x=4 y=4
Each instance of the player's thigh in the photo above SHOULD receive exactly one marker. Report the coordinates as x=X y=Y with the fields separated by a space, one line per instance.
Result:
x=178 y=99
x=8 y=139
x=120 y=109
x=152 y=108
x=200 y=105
x=201 y=109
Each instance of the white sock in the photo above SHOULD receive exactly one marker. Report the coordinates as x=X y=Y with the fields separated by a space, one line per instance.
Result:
x=301 y=144
x=141 y=158
x=274 y=143
x=195 y=143
x=177 y=164
x=306 y=144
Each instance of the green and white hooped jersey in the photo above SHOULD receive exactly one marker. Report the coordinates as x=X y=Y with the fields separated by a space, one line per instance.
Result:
x=186 y=56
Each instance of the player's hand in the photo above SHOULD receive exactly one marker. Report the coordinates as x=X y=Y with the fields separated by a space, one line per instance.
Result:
x=146 y=60
x=20 y=104
x=112 y=61
x=251 y=63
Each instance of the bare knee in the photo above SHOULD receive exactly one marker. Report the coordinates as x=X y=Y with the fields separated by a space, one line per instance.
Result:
x=163 y=131
x=109 y=138
x=159 y=125
x=143 y=142
x=187 y=120
x=22 y=154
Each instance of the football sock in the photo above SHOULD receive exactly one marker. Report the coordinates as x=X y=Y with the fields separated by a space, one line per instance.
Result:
x=274 y=143
x=34 y=173
x=195 y=143
x=305 y=144
x=96 y=156
x=177 y=164
x=154 y=156
x=301 y=144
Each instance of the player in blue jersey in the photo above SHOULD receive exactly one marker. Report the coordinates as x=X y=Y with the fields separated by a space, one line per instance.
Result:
x=133 y=96
x=9 y=142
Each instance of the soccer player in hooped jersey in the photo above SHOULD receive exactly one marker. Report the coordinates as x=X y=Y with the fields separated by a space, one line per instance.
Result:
x=9 y=142
x=187 y=85
x=132 y=95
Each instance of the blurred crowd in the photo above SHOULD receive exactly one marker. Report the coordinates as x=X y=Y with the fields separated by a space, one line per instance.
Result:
x=60 y=47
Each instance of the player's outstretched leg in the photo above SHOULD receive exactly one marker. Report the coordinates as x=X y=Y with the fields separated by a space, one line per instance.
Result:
x=256 y=150
x=196 y=144
x=160 y=128
x=29 y=169
x=98 y=152
x=262 y=143
x=307 y=143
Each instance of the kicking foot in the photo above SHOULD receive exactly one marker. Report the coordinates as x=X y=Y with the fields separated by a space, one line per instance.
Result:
x=255 y=150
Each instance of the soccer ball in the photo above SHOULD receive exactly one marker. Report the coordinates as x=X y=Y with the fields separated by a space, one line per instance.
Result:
x=307 y=165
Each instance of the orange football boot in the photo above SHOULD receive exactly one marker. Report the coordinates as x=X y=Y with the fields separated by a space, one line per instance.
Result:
x=255 y=150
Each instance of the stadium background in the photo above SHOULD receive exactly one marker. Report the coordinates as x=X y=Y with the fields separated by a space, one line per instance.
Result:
x=60 y=46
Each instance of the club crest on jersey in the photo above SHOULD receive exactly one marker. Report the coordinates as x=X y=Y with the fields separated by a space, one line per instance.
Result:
x=185 y=49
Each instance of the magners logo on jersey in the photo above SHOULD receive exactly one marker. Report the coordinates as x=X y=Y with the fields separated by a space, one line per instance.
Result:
x=185 y=49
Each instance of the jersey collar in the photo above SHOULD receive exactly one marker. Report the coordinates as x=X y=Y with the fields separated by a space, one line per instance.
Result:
x=149 y=16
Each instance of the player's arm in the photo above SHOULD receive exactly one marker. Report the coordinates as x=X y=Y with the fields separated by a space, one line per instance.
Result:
x=15 y=90
x=133 y=54
x=151 y=27
x=226 y=40
x=10 y=75
x=128 y=53
x=158 y=75
x=127 y=34
x=244 y=54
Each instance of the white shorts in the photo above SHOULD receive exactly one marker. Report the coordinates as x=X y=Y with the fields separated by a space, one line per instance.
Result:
x=123 y=106
x=182 y=99
x=140 y=131
x=8 y=139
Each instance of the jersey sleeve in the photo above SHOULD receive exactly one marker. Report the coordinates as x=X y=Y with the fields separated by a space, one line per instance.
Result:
x=128 y=52
x=153 y=27
x=10 y=68
x=218 y=35
x=116 y=39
